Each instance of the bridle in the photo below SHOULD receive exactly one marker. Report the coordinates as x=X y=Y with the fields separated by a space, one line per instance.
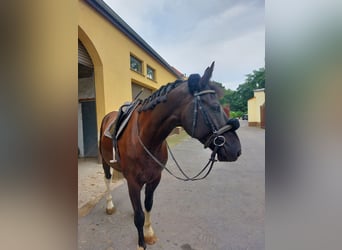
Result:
x=216 y=134
x=216 y=137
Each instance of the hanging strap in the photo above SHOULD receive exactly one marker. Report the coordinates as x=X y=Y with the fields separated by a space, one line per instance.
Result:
x=196 y=177
x=186 y=177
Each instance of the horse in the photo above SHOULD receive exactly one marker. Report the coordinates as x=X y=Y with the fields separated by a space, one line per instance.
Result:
x=192 y=104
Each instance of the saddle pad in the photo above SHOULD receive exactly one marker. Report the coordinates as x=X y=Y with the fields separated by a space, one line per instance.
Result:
x=125 y=114
x=109 y=128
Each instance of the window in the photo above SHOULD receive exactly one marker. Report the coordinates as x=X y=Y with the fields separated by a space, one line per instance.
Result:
x=136 y=64
x=151 y=73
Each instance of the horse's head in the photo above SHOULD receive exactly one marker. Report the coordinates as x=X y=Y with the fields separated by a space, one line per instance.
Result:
x=203 y=118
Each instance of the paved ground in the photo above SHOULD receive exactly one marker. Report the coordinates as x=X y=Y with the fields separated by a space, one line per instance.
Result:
x=91 y=185
x=223 y=212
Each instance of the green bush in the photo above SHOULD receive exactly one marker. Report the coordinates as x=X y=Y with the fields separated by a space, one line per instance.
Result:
x=236 y=114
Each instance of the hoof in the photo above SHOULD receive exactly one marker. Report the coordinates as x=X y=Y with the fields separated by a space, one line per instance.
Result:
x=150 y=239
x=110 y=211
x=140 y=248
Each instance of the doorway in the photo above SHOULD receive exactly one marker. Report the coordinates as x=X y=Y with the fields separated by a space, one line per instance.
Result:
x=87 y=125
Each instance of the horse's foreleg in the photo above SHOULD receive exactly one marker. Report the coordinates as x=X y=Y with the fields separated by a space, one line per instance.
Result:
x=139 y=217
x=149 y=235
x=110 y=209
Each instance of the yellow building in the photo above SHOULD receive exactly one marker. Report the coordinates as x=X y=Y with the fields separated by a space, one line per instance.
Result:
x=256 y=109
x=114 y=63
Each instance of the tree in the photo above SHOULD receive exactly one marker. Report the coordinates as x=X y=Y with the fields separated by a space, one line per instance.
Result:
x=238 y=99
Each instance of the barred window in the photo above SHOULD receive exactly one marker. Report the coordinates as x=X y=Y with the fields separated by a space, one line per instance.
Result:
x=151 y=73
x=136 y=64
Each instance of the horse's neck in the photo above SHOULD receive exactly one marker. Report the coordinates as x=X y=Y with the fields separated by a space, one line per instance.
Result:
x=159 y=123
x=155 y=127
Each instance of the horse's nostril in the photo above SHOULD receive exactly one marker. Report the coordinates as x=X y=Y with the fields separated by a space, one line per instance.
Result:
x=239 y=153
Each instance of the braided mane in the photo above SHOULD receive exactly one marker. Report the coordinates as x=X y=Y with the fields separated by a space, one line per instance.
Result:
x=159 y=96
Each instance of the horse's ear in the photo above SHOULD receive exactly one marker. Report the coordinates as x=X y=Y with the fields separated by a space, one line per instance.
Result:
x=193 y=83
x=207 y=75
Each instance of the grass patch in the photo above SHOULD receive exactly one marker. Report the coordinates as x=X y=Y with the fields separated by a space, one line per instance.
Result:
x=177 y=138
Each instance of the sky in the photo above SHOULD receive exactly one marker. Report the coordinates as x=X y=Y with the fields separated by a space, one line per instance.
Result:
x=190 y=34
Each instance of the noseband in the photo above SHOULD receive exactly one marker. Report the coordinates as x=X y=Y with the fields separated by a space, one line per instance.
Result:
x=216 y=134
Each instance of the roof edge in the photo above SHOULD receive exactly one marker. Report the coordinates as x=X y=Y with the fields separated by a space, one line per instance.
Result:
x=120 y=24
x=259 y=90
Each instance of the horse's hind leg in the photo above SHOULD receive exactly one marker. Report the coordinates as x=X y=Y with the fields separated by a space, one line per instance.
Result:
x=149 y=235
x=110 y=209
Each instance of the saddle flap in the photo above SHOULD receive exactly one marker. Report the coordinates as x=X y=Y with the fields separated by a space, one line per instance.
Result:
x=115 y=129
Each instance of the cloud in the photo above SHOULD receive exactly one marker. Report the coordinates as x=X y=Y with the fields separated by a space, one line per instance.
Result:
x=191 y=34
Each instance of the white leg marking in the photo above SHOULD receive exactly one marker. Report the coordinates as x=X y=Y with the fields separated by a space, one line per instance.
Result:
x=110 y=204
x=148 y=231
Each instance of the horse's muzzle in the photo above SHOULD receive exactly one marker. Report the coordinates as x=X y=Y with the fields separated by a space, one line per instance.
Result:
x=223 y=155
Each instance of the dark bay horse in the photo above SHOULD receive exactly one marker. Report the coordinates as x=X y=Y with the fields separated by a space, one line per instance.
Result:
x=192 y=104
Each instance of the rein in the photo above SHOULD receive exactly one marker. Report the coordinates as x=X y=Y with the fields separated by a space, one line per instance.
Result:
x=216 y=138
x=210 y=163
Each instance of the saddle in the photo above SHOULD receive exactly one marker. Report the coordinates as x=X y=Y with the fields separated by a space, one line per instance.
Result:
x=114 y=130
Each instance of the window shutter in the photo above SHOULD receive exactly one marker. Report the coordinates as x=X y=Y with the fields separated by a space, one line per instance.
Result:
x=83 y=56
